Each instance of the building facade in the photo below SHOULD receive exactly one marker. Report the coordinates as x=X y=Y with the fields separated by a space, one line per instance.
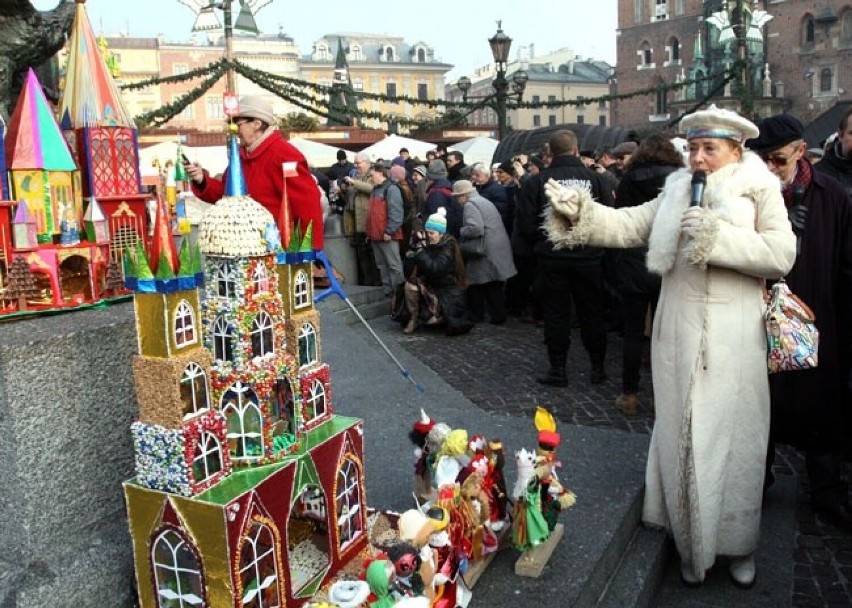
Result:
x=383 y=65
x=799 y=54
x=555 y=77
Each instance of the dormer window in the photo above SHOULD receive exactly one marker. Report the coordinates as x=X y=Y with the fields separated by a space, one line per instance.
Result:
x=421 y=55
x=388 y=53
x=322 y=53
x=355 y=53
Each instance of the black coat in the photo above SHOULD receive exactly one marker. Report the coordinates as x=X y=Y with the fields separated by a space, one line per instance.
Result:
x=808 y=406
x=532 y=202
x=640 y=184
x=436 y=266
x=499 y=196
x=839 y=168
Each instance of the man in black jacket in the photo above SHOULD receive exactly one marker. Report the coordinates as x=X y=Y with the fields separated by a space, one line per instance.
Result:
x=566 y=274
x=837 y=160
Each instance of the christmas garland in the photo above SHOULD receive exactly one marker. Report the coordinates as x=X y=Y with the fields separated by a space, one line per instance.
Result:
x=190 y=75
x=165 y=113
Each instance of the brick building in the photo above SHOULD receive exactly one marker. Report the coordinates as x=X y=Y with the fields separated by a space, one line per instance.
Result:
x=799 y=59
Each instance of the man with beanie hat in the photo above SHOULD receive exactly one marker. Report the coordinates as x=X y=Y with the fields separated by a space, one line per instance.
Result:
x=342 y=168
x=565 y=275
x=262 y=152
x=439 y=194
x=809 y=407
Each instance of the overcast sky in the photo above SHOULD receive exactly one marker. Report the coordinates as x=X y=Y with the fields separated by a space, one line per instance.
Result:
x=457 y=30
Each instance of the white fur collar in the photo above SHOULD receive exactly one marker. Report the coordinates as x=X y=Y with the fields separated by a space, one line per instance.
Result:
x=729 y=195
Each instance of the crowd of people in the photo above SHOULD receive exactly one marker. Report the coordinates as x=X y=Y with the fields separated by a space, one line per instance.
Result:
x=572 y=238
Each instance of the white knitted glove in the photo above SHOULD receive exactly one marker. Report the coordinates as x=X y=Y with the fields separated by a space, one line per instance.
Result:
x=691 y=220
x=565 y=200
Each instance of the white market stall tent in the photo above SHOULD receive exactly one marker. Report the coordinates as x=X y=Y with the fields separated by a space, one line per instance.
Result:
x=476 y=150
x=212 y=158
x=319 y=155
x=388 y=148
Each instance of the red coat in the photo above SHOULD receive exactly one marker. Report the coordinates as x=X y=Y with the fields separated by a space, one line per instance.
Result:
x=265 y=183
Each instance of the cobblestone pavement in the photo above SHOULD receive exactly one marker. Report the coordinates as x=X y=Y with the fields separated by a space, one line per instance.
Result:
x=496 y=366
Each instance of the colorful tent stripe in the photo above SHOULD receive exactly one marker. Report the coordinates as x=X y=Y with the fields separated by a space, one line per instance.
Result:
x=34 y=140
x=90 y=97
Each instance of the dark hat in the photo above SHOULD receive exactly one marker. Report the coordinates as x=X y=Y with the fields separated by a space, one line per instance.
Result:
x=341 y=155
x=625 y=148
x=587 y=153
x=506 y=167
x=420 y=169
x=776 y=132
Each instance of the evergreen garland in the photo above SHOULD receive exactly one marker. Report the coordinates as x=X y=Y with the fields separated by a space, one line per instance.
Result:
x=297 y=93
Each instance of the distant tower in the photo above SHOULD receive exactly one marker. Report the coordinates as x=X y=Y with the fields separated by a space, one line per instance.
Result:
x=342 y=105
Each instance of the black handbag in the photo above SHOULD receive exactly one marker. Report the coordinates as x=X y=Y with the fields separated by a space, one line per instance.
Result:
x=473 y=248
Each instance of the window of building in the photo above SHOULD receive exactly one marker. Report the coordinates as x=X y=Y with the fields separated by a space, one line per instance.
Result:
x=422 y=90
x=846 y=26
x=646 y=56
x=421 y=55
x=226 y=279
x=602 y=104
x=283 y=419
x=536 y=99
x=536 y=120
x=388 y=53
x=355 y=53
x=193 y=389
x=223 y=340
x=661 y=102
x=301 y=294
x=207 y=458
x=358 y=84
x=179 y=69
x=826 y=80
x=808 y=32
x=187 y=113
x=678 y=7
x=551 y=120
x=260 y=279
x=348 y=501
x=316 y=406
x=390 y=89
x=177 y=571
x=661 y=10
x=259 y=568
x=581 y=120
x=214 y=107
x=638 y=11
x=245 y=422
x=551 y=98
x=602 y=121
x=307 y=345
x=185 y=333
x=322 y=53
x=673 y=51
x=262 y=343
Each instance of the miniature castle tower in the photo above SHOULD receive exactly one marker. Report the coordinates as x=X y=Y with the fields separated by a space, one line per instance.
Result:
x=41 y=169
x=102 y=136
x=290 y=512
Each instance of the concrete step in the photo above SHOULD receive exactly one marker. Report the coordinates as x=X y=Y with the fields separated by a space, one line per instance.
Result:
x=370 y=302
x=636 y=581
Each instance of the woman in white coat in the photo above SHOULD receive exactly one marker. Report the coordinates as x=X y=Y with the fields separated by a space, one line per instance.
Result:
x=704 y=477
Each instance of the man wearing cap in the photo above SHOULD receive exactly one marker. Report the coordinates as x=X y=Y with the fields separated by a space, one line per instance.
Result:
x=439 y=194
x=565 y=275
x=342 y=168
x=809 y=406
x=358 y=187
x=263 y=151
x=490 y=189
x=837 y=160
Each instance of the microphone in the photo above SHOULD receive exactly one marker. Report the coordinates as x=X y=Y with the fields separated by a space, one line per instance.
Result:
x=699 y=179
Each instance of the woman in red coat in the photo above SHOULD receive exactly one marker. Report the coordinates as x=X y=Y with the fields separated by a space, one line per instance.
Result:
x=262 y=152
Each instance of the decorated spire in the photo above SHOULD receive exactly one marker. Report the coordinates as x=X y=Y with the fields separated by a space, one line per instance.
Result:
x=90 y=97
x=235 y=184
x=34 y=140
x=164 y=257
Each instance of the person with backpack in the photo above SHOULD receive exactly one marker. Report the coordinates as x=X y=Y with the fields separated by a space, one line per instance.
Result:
x=384 y=227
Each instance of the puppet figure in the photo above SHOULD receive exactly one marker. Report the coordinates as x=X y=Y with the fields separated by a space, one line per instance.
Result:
x=415 y=529
x=496 y=484
x=539 y=497
x=406 y=562
x=450 y=564
x=419 y=434
x=434 y=440
x=475 y=494
x=380 y=576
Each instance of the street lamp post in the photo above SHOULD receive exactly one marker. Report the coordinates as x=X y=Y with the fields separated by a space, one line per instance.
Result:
x=500 y=44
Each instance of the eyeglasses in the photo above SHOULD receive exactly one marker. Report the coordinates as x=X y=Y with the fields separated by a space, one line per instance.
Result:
x=779 y=160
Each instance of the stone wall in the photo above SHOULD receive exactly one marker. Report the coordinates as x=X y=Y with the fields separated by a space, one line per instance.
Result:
x=66 y=404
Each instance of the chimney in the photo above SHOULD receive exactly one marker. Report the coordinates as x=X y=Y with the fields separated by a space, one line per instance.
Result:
x=532 y=51
x=571 y=67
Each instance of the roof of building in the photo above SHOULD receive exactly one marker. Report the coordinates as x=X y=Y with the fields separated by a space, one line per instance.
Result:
x=373 y=49
x=235 y=227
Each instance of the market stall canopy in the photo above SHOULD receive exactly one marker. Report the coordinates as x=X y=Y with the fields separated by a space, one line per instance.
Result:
x=476 y=150
x=212 y=158
x=319 y=155
x=388 y=148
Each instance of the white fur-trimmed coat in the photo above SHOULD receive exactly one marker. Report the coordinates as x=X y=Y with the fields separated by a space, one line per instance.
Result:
x=704 y=477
